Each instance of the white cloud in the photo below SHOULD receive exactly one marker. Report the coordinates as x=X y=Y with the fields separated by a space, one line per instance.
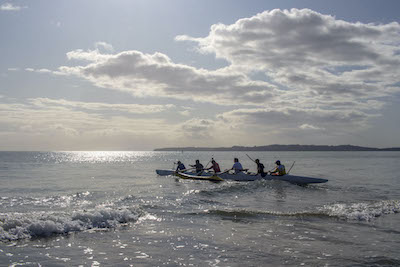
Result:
x=104 y=45
x=280 y=38
x=299 y=49
x=156 y=75
x=42 y=70
x=185 y=113
x=9 y=7
x=96 y=106
x=309 y=127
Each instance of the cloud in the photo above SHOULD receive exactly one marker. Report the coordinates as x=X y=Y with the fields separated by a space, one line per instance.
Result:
x=309 y=127
x=303 y=50
x=198 y=128
x=59 y=124
x=10 y=7
x=289 y=71
x=42 y=70
x=156 y=75
x=306 y=55
x=291 y=119
x=280 y=38
x=104 y=45
x=96 y=106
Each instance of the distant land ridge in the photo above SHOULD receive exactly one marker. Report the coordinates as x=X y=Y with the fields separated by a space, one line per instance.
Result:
x=281 y=148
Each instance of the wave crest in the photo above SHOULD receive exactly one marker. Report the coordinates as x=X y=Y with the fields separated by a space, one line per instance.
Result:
x=362 y=211
x=17 y=226
x=342 y=211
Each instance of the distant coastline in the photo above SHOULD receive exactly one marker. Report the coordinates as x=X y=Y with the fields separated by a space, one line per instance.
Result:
x=281 y=148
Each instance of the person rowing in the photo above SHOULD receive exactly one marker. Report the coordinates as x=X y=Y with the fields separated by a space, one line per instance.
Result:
x=279 y=169
x=214 y=166
x=237 y=166
x=180 y=166
x=260 y=168
x=199 y=167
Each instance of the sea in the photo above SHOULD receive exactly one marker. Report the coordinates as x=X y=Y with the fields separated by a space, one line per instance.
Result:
x=110 y=208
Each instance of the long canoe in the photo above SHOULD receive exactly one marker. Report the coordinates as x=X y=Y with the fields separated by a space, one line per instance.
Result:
x=295 y=179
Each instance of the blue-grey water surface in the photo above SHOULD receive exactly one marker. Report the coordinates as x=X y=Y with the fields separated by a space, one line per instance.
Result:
x=111 y=209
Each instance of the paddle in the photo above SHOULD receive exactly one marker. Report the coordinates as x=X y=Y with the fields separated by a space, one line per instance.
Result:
x=250 y=158
x=212 y=158
x=185 y=170
x=224 y=171
x=291 y=167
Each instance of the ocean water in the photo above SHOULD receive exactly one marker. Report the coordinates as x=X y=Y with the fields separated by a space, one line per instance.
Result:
x=111 y=209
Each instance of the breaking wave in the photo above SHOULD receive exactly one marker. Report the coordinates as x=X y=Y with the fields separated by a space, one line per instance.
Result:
x=362 y=211
x=15 y=226
x=354 y=211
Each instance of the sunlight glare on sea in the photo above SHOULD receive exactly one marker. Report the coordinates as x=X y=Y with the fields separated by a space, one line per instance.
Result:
x=97 y=156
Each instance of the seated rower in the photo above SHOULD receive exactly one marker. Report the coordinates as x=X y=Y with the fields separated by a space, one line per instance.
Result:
x=215 y=166
x=260 y=168
x=199 y=167
x=237 y=166
x=279 y=169
x=180 y=166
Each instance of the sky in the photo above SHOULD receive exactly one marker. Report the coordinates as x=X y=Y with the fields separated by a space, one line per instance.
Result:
x=145 y=74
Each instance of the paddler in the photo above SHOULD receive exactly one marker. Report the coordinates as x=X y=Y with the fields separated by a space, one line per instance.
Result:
x=215 y=166
x=279 y=169
x=237 y=166
x=180 y=166
x=260 y=168
x=199 y=167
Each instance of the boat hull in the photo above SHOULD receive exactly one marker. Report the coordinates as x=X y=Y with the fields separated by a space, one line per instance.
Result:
x=295 y=179
x=199 y=177
x=165 y=172
x=245 y=177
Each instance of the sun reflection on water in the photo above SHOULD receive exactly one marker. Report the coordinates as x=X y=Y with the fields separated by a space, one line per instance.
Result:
x=99 y=156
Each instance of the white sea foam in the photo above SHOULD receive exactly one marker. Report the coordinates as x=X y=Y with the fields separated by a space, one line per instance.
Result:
x=14 y=226
x=362 y=211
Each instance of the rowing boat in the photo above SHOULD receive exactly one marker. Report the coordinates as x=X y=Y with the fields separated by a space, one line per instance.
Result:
x=214 y=177
x=165 y=172
x=242 y=176
x=295 y=179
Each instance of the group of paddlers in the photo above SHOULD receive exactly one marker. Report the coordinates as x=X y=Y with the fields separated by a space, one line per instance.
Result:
x=237 y=167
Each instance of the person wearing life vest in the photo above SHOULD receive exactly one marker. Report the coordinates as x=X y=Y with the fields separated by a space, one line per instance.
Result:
x=215 y=166
x=279 y=169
